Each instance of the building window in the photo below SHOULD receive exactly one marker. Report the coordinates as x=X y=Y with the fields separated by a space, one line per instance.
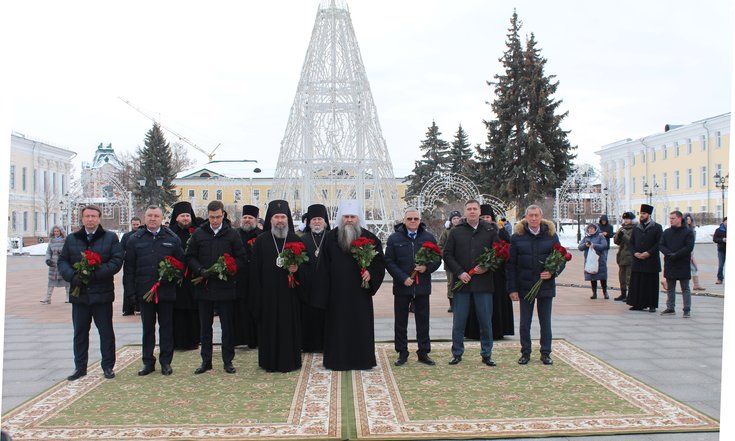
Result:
x=45 y=221
x=13 y=221
x=238 y=195
x=666 y=152
x=676 y=149
x=643 y=183
x=56 y=218
x=367 y=193
x=205 y=195
x=653 y=156
x=643 y=156
x=718 y=169
x=35 y=180
x=63 y=184
x=296 y=194
x=665 y=181
x=192 y=194
x=25 y=221
x=23 y=179
x=689 y=146
x=718 y=214
x=256 y=195
x=676 y=180
x=218 y=195
x=704 y=176
x=12 y=179
x=703 y=143
x=632 y=161
x=45 y=181
x=270 y=194
x=53 y=182
x=35 y=221
x=689 y=178
x=632 y=185
x=719 y=139
x=653 y=179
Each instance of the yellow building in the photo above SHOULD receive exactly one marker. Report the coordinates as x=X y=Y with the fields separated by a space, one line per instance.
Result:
x=235 y=183
x=40 y=176
x=673 y=170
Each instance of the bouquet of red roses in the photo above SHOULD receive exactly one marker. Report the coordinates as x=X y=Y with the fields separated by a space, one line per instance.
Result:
x=363 y=250
x=251 y=242
x=84 y=269
x=169 y=268
x=553 y=262
x=294 y=253
x=490 y=259
x=224 y=266
x=428 y=253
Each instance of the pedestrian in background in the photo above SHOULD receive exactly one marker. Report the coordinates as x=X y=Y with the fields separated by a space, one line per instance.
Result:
x=691 y=224
x=455 y=217
x=677 y=243
x=606 y=230
x=624 y=257
x=56 y=240
x=720 y=238
x=594 y=242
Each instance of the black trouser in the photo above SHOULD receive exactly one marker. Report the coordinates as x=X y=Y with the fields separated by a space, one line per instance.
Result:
x=82 y=316
x=165 y=313
x=421 y=314
x=128 y=306
x=206 y=319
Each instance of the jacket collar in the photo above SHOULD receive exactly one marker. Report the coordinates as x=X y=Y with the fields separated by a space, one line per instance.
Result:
x=547 y=227
x=82 y=233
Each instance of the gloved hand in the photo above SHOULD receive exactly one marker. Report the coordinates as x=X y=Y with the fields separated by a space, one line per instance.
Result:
x=75 y=281
x=50 y=263
x=204 y=273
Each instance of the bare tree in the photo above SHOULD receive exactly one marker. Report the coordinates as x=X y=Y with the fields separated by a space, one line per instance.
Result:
x=181 y=160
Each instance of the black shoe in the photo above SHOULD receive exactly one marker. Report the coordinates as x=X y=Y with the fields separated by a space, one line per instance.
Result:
x=594 y=296
x=203 y=368
x=425 y=359
x=621 y=298
x=524 y=359
x=455 y=360
x=546 y=359
x=402 y=359
x=607 y=297
x=166 y=369
x=229 y=368
x=146 y=370
x=635 y=308
x=488 y=361
x=109 y=373
x=668 y=311
x=651 y=309
x=128 y=313
x=79 y=373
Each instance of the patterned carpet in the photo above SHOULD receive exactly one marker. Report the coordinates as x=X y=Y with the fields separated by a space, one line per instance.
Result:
x=578 y=395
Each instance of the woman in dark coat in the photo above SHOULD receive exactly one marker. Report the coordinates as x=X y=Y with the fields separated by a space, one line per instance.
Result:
x=594 y=241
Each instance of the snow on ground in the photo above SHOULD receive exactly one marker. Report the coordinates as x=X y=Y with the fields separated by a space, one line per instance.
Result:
x=568 y=237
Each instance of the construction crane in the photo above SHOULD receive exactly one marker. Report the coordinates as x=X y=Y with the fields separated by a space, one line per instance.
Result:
x=210 y=155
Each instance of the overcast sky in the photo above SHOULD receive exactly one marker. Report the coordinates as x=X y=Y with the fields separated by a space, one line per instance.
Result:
x=227 y=72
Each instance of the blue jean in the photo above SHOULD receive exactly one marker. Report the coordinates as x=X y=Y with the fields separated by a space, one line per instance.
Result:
x=721 y=267
x=543 y=306
x=484 y=309
x=686 y=294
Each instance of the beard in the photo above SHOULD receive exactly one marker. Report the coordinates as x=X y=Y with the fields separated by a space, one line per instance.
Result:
x=317 y=230
x=184 y=226
x=346 y=234
x=279 y=232
x=247 y=228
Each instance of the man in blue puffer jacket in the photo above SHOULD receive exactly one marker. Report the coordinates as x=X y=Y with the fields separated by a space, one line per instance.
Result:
x=530 y=245
x=95 y=299
x=400 y=261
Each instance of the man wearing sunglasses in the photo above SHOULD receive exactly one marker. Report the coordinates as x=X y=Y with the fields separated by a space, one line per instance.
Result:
x=400 y=255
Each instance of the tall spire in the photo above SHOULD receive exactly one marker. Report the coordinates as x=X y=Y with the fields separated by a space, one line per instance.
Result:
x=333 y=148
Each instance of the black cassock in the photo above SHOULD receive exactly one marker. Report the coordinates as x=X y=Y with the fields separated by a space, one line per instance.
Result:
x=312 y=318
x=278 y=306
x=349 y=339
x=246 y=331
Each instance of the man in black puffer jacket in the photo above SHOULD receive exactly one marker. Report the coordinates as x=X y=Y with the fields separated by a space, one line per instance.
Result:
x=206 y=245
x=532 y=242
x=465 y=244
x=400 y=261
x=677 y=244
x=95 y=298
x=145 y=249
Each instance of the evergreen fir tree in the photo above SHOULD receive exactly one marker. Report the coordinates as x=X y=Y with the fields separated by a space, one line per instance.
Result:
x=156 y=163
x=460 y=154
x=526 y=155
x=436 y=159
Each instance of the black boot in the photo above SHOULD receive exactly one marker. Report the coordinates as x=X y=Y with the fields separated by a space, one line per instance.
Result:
x=623 y=295
x=603 y=283
x=451 y=305
x=594 y=289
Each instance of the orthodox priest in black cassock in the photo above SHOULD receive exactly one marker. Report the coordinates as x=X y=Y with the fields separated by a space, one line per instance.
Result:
x=644 y=244
x=312 y=318
x=186 y=310
x=502 y=304
x=349 y=339
x=246 y=331
x=278 y=306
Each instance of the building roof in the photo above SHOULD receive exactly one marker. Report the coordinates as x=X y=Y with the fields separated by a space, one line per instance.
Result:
x=242 y=169
x=103 y=155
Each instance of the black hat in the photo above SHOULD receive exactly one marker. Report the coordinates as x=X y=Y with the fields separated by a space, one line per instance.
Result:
x=279 y=206
x=317 y=210
x=645 y=208
x=250 y=210
x=182 y=207
x=628 y=215
x=487 y=210
x=454 y=213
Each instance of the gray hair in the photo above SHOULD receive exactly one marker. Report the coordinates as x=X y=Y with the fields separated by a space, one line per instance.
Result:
x=411 y=210
x=534 y=207
x=153 y=207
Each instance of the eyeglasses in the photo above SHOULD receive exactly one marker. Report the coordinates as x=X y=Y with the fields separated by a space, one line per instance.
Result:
x=412 y=218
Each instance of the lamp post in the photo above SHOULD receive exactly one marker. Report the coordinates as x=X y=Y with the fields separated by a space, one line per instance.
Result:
x=722 y=184
x=604 y=194
x=255 y=170
x=578 y=184
x=649 y=192
x=143 y=183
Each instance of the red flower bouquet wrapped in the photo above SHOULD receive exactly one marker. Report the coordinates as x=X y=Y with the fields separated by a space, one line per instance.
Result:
x=84 y=269
x=553 y=262
x=251 y=242
x=224 y=267
x=294 y=253
x=491 y=259
x=169 y=268
x=428 y=253
x=363 y=250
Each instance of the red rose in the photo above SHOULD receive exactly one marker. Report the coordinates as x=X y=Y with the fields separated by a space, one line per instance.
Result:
x=432 y=247
x=93 y=258
x=191 y=230
x=230 y=264
x=252 y=241
x=176 y=263
x=567 y=257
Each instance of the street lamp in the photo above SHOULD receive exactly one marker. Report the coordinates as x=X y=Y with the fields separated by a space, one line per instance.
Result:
x=255 y=170
x=578 y=183
x=649 y=194
x=159 y=183
x=721 y=183
x=604 y=194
